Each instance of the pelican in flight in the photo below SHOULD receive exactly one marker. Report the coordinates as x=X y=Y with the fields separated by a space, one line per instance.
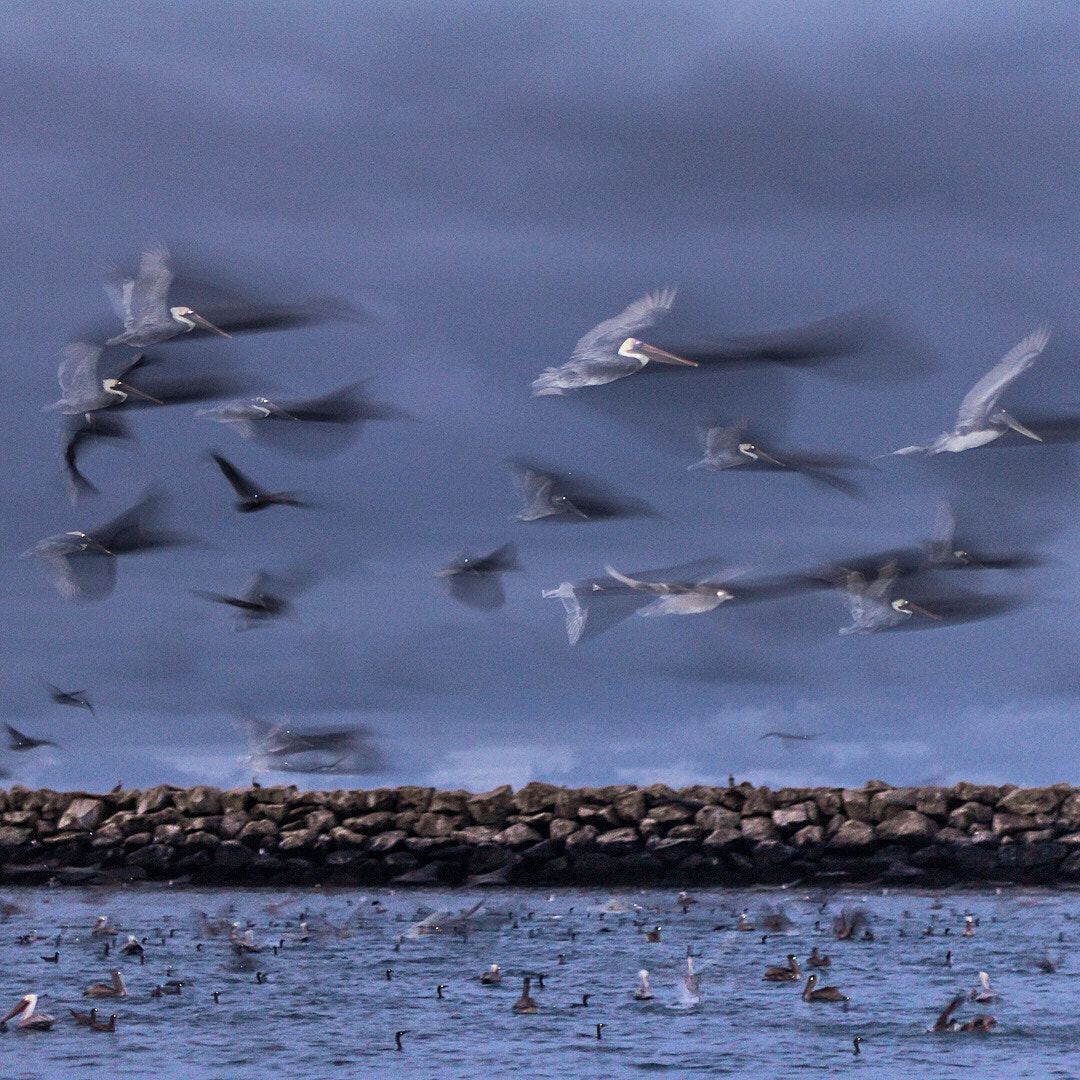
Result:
x=107 y=990
x=265 y=598
x=730 y=447
x=676 y=598
x=83 y=388
x=474 y=579
x=142 y=303
x=612 y=350
x=75 y=698
x=19 y=742
x=551 y=496
x=576 y=611
x=979 y=420
x=29 y=1018
x=947 y=551
x=870 y=606
x=252 y=497
x=82 y=565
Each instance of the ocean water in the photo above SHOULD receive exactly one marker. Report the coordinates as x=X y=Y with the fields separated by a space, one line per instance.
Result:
x=326 y=1007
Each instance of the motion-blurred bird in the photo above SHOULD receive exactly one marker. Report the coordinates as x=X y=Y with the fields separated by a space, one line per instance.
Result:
x=142 y=303
x=19 y=742
x=252 y=497
x=979 y=420
x=474 y=579
x=612 y=350
x=86 y=431
x=266 y=597
x=870 y=606
x=547 y=494
x=83 y=388
x=76 y=698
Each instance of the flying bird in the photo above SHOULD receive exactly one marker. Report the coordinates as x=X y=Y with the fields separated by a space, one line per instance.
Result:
x=946 y=550
x=142 y=303
x=675 y=597
x=252 y=497
x=870 y=606
x=75 y=698
x=612 y=349
x=283 y=747
x=787 y=736
x=87 y=430
x=82 y=565
x=979 y=420
x=266 y=597
x=82 y=387
x=474 y=579
x=18 y=742
x=728 y=446
x=546 y=494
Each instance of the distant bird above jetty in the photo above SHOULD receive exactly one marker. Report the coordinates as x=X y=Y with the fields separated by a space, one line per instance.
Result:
x=19 y=742
x=611 y=350
x=979 y=420
x=75 y=698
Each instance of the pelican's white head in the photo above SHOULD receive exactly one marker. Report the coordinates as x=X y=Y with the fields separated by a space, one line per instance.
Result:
x=190 y=319
x=639 y=350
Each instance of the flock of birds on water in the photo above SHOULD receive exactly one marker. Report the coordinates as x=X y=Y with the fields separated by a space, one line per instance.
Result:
x=102 y=382
x=255 y=956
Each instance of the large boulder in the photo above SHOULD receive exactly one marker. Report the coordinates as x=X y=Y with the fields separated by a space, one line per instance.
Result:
x=907 y=827
x=491 y=807
x=82 y=814
x=535 y=797
x=852 y=836
x=1029 y=801
x=618 y=841
x=796 y=815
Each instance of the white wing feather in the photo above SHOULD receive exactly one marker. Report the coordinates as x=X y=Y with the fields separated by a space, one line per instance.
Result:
x=600 y=340
x=983 y=396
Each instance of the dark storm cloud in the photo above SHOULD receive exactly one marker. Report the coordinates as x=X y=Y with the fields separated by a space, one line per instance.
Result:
x=488 y=184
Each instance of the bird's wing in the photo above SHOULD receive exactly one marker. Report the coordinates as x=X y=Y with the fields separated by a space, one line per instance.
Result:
x=16 y=734
x=241 y=484
x=944 y=527
x=534 y=486
x=660 y=588
x=716 y=439
x=639 y=315
x=59 y=571
x=118 y=289
x=983 y=396
x=258 y=584
x=78 y=372
x=881 y=586
x=150 y=292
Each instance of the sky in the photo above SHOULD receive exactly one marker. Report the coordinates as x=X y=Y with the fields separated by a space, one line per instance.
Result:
x=485 y=183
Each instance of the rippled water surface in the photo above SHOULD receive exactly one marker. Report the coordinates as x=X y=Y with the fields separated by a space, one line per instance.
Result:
x=327 y=1007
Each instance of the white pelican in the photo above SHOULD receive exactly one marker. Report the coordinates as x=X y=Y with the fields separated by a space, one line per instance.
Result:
x=612 y=350
x=29 y=1018
x=106 y=990
x=142 y=303
x=979 y=420
x=643 y=991
x=870 y=607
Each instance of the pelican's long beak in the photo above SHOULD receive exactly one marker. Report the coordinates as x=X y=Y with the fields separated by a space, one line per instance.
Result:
x=1020 y=429
x=15 y=1012
x=661 y=356
x=922 y=611
x=128 y=388
x=206 y=324
x=769 y=458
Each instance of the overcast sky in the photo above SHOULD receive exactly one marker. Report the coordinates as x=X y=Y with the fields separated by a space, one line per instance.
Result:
x=488 y=182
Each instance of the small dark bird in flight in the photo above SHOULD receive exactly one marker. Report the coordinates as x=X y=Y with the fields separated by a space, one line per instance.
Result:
x=75 y=698
x=474 y=579
x=17 y=741
x=252 y=497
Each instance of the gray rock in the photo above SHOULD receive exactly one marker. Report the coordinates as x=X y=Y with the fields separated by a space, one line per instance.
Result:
x=434 y=825
x=448 y=802
x=618 y=841
x=491 y=807
x=1007 y=824
x=933 y=802
x=796 y=815
x=852 y=836
x=856 y=804
x=387 y=841
x=907 y=826
x=82 y=814
x=756 y=829
x=885 y=804
x=721 y=838
x=669 y=850
x=535 y=797
x=760 y=801
x=518 y=836
x=583 y=839
x=561 y=828
x=14 y=837
x=632 y=808
x=716 y=817
x=1030 y=801
x=969 y=813
x=671 y=814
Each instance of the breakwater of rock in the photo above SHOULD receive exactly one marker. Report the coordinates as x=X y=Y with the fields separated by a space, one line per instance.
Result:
x=543 y=835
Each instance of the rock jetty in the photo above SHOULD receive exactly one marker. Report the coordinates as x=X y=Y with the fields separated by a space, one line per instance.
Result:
x=544 y=835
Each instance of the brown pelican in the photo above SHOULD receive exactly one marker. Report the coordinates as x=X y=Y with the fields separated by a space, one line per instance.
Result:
x=653 y=935
x=730 y=447
x=946 y=551
x=689 y=986
x=474 y=579
x=787 y=736
x=265 y=598
x=612 y=350
x=786 y=973
x=75 y=698
x=674 y=597
x=142 y=304
x=825 y=993
x=82 y=565
x=983 y=993
x=102 y=928
x=979 y=420
x=84 y=390
x=526 y=1003
x=816 y=960
x=643 y=991
x=19 y=742
x=29 y=1018
x=104 y=990
x=132 y=947
x=252 y=497
x=491 y=977
x=870 y=608
x=548 y=495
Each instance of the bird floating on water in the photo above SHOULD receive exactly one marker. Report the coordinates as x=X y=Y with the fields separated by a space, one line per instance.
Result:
x=491 y=977
x=643 y=992
x=812 y=992
x=979 y=420
x=103 y=990
x=788 y=972
x=526 y=1003
x=29 y=1018
x=612 y=350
